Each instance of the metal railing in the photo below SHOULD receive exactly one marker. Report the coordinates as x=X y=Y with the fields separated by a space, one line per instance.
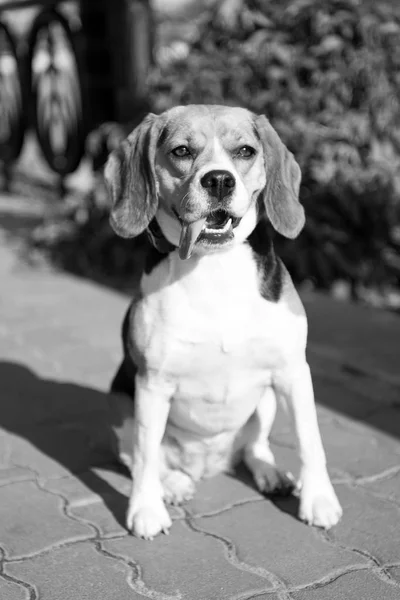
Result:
x=65 y=76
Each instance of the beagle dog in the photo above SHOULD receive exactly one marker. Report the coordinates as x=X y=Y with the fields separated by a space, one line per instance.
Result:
x=215 y=332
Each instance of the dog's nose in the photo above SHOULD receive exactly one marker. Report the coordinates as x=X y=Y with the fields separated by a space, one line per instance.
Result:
x=218 y=183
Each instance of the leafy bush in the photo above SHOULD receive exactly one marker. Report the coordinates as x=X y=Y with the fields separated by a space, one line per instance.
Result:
x=327 y=74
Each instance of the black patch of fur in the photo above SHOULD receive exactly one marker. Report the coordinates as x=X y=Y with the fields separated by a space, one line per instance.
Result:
x=153 y=258
x=157 y=237
x=269 y=266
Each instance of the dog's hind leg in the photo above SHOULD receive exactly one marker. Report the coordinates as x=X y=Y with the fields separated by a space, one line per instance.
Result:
x=178 y=486
x=258 y=455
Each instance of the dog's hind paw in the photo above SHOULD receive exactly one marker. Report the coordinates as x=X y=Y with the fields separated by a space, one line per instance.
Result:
x=148 y=520
x=269 y=479
x=178 y=487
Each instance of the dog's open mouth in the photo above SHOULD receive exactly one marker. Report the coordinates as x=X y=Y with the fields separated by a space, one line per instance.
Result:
x=216 y=228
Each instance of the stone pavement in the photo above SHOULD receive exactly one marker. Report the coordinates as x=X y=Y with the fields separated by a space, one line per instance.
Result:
x=62 y=500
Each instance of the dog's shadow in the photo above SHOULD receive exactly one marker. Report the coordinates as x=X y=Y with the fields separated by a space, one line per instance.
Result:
x=72 y=425
x=67 y=423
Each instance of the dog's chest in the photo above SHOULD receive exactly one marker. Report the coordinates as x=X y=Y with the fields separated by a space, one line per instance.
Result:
x=207 y=317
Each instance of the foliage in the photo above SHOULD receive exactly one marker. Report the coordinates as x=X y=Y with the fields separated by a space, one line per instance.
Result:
x=78 y=238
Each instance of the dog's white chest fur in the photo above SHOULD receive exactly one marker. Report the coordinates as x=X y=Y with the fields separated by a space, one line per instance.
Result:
x=203 y=326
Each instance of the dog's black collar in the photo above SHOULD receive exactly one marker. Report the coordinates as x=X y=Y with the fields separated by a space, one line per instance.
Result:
x=158 y=239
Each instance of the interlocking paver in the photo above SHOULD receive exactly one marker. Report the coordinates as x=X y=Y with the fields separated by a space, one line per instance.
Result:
x=389 y=421
x=353 y=396
x=394 y=573
x=58 y=450
x=189 y=563
x=10 y=590
x=353 y=446
x=90 y=486
x=371 y=524
x=267 y=537
x=220 y=493
x=362 y=585
x=361 y=336
x=32 y=520
x=385 y=485
x=30 y=400
x=14 y=474
x=76 y=572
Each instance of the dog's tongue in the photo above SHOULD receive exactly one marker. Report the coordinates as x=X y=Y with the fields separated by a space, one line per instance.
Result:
x=189 y=234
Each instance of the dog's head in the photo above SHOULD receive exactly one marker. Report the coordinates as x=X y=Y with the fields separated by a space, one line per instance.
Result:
x=202 y=171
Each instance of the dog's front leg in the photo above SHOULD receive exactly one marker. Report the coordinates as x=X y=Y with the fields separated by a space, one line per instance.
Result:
x=318 y=502
x=147 y=515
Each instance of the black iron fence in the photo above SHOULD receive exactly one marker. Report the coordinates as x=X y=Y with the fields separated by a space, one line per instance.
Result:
x=77 y=63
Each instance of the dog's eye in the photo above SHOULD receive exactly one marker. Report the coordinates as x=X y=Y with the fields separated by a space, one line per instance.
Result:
x=181 y=151
x=245 y=152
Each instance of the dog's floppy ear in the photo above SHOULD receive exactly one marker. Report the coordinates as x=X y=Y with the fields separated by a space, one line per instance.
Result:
x=130 y=178
x=281 y=192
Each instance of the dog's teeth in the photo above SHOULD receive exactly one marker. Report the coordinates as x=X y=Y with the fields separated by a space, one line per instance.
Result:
x=189 y=234
x=221 y=229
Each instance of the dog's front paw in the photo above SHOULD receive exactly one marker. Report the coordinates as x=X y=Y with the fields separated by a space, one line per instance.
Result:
x=148 y=519
x=319 y=505
x=178 y=487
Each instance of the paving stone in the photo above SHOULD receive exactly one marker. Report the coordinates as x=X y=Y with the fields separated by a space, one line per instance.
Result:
x=13 y=474
x=221 y=492
x=358 y=448
x=369 y=524
x=267 y=537
x=395 y=573
x=388 y=487
x=108 y=516
x=362 y=585
x=90 y=486
x=32 y=520
x=12 y=591
x=388 y=420
x=353 y=447
x=188 y=563
x=346 y=330
x=78 y=571
x=350 y=402
x=5 y=450
x=28 y=400
x=55 y=451
x=350 y=390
